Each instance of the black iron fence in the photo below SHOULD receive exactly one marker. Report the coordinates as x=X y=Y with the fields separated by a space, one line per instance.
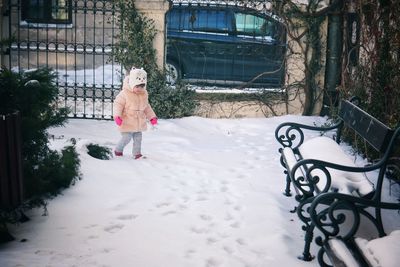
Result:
x=77 y=44
x=76 y=38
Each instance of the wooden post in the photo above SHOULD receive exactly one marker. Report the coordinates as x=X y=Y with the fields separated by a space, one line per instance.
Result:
x=11 y=184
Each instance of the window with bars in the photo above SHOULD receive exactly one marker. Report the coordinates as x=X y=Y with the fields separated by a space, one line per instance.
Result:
x=47 y=11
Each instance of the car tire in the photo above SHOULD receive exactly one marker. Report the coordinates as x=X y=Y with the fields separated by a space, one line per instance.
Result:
x=173 y=72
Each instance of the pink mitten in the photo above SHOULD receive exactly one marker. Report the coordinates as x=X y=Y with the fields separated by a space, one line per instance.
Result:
x=153 y=121
x=118 y=120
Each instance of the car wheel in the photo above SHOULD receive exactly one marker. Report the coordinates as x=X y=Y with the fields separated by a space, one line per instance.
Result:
x=173 y=72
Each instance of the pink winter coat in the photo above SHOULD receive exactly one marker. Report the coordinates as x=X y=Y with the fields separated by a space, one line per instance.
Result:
x=133 y=108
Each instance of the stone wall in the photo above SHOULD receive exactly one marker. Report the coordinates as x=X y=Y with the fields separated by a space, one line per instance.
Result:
x=251 y=109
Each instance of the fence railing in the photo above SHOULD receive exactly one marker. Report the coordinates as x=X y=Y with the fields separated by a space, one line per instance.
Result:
x=78 y=50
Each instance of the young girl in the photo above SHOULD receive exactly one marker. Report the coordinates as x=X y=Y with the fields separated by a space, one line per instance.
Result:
x=131 y=109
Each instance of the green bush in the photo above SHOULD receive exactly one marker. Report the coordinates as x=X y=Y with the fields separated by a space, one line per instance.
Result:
x=172 y=102
x=99 y=152
x=34 y=94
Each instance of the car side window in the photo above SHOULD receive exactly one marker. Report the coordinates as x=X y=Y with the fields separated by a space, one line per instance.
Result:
x=198 y=20
x=178 y=19
x=210 y=21
x=173 y=19
x=255 y=26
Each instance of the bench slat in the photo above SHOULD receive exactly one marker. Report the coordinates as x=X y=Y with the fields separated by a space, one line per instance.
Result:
x=372 y=130
x=340 y=255
x=290 y=157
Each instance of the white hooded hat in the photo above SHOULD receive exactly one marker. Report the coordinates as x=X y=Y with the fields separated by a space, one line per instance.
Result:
x=136 y=77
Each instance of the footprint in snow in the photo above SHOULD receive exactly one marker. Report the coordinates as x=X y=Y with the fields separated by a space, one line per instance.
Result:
x=243 y=176
x=229 y=202
x=238 y=208
x=189 y=253
x=90 y=226
x=185 y=198
x=227 y=249
x=182 y=207
x=205 y=217
x=241 y=241
x=211 y=240
x=199 y=230
x=212 y=262
x=224 y=189
x=44 y=252
x=228 y=217
x=201 y=198
x=163 y=204
x=126 y=217
x=249 y=164
x=113 y=228
x=235 y=225
x=170 y=212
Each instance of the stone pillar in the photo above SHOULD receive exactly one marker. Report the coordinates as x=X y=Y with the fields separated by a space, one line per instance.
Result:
x=155 y=10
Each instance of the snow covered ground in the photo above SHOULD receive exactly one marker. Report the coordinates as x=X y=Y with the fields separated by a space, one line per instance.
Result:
x=208 y=194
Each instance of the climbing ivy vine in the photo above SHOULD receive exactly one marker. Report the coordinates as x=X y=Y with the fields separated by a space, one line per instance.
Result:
x=306 y=33
x=375 y=79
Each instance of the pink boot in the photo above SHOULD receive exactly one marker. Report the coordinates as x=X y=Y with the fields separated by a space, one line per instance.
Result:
x=118 y=154
x=138 y=156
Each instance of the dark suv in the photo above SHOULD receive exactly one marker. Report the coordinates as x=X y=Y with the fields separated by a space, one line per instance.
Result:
x=225 y=44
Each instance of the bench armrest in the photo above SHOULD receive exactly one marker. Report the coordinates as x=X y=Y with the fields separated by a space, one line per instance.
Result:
x=290 y=134
x=339 y=215
x=302 y=174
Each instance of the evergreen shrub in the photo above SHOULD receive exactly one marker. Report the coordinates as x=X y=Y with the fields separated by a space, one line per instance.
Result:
x=34 y=94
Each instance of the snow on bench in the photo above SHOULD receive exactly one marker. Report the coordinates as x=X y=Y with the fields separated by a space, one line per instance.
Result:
x=326 y=149
x=379 y=252
x=352 y=231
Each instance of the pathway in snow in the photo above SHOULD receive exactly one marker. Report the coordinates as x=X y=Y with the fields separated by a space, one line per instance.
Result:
x=209 y=194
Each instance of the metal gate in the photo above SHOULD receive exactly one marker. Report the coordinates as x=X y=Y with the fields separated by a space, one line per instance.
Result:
x=76 y=39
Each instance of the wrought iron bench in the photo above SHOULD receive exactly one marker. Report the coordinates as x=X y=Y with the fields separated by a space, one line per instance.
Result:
x=346 y=236
x=320 y=165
